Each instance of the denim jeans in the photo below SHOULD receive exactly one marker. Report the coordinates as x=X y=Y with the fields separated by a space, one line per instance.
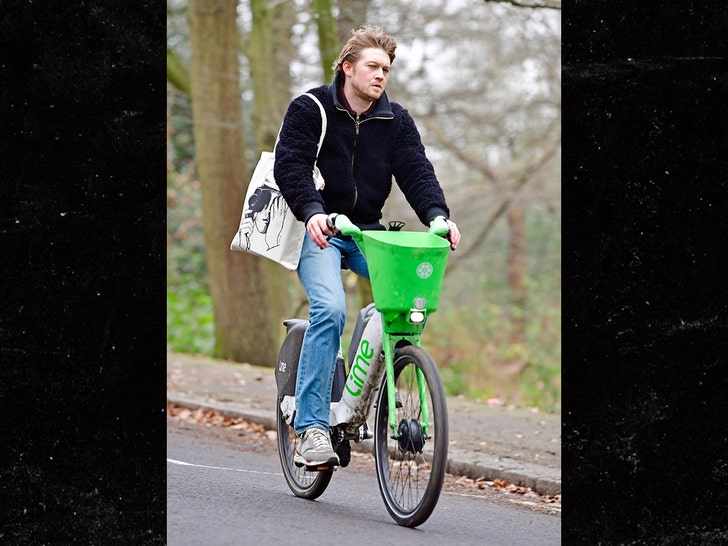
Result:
x=320 y=274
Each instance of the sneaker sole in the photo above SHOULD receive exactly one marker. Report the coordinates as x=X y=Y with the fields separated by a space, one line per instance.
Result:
x=314 y=466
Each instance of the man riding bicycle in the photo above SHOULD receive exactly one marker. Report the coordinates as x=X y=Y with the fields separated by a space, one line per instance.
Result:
x=368 y=141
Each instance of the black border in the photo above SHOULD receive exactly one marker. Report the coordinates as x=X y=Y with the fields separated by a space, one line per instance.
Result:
x=645 y=312
x=82 y=336
x=82 y=333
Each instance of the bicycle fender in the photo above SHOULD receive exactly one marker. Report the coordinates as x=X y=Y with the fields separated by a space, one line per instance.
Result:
x=287 y=366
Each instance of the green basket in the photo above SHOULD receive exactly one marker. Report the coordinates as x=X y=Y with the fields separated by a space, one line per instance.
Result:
x=406 y=269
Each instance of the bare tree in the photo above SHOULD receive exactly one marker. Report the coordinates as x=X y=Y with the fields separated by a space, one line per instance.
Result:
x=269 y=51
x=241 y=293
x=352 y=15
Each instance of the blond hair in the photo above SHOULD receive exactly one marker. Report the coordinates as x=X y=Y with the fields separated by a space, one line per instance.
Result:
x=363 y=38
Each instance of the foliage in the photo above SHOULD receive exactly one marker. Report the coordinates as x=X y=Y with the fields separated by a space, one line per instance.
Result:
x=190 y=320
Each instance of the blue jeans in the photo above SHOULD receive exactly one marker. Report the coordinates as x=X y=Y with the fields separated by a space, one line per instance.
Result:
x=320 y=274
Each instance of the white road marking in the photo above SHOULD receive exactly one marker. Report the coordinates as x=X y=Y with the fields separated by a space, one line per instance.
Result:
x=183 y=463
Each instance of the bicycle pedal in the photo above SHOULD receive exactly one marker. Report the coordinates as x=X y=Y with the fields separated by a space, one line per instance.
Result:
x=320 y=468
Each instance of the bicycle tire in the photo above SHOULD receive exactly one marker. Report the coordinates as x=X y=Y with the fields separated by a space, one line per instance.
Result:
x=303 y=483
x=411 y=477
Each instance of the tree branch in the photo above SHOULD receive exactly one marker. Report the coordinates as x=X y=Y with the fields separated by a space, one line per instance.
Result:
x=177 y=73
x=544 y=4
x=434 y=128
x=525 y=177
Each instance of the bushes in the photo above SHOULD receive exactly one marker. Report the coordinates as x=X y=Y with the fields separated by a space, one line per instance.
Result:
x=190 y=320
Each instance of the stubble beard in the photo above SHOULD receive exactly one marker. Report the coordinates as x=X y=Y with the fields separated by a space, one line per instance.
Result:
x=366 y=93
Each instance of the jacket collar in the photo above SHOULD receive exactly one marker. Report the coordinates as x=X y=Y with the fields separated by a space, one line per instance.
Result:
x=382 y=108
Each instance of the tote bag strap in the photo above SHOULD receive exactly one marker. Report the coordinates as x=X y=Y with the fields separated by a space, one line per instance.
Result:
x=323 y=124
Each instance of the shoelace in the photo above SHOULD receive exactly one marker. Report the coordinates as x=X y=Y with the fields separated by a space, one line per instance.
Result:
x=318 y=438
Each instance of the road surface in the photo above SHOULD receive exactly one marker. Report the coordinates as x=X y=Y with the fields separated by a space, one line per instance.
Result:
x=225 y=486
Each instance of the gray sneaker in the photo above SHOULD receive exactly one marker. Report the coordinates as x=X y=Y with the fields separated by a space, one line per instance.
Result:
x=315 y=449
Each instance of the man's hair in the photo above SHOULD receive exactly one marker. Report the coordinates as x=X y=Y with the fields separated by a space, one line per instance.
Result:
x=363 y=38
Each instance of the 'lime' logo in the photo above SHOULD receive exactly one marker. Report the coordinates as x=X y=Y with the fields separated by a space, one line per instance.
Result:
x=360 y=369
x=424 y=270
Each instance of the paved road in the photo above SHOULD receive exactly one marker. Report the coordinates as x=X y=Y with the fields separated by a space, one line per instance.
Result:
x=223 y=492
x=518 y=446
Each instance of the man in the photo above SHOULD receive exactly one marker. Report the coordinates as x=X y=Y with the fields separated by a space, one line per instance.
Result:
x=368 y=141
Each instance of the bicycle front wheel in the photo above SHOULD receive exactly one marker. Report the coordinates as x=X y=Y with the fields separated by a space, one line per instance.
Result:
x=303 y=483
x=411 y=467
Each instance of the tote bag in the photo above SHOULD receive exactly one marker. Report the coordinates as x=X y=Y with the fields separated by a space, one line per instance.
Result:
x=268 y=227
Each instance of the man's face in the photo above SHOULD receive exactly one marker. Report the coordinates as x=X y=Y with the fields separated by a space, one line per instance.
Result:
x=369 y=74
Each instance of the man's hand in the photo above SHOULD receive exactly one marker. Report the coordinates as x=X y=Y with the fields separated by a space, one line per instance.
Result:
x=454 y=234
x=318 y=230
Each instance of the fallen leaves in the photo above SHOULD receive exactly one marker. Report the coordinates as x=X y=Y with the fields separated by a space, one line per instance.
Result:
x=216 y=419
x=506 y=487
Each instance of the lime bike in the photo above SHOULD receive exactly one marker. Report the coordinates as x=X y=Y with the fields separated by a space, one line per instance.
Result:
x=387 y=368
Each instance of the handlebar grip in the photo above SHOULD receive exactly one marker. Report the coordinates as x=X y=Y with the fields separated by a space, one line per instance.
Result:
x=439 y=227
x=342 y=223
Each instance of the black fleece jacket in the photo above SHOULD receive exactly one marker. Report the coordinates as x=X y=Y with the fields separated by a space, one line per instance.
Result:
x=357 y=160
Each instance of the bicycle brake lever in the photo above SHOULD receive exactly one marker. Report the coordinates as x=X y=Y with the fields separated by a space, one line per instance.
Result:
x=331 y=223
x=344 y=226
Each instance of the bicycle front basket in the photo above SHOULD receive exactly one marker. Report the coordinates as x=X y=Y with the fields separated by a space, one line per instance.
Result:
x=406 y=269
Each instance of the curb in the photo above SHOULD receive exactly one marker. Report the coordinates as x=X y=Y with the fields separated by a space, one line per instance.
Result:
x=540 y=479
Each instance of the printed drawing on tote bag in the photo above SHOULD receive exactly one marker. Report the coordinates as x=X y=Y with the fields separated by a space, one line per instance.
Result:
x=264 y=218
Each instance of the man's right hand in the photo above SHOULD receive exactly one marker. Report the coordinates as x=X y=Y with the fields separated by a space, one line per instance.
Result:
x=318 y=229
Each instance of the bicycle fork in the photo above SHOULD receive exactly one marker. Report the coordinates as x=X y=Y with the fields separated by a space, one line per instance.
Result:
x=389 y=343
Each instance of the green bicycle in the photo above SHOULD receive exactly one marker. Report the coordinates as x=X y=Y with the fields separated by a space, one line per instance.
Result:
x=387 y=367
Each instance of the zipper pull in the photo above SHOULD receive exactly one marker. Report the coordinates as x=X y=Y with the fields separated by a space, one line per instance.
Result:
x=357 y=124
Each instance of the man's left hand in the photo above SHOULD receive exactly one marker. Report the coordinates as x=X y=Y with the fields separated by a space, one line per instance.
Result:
x=454 y=234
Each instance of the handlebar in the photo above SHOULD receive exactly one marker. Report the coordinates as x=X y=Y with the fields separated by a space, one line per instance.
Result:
x=341 y=224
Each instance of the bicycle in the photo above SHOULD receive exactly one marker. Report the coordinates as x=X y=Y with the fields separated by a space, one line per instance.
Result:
x=387 y=367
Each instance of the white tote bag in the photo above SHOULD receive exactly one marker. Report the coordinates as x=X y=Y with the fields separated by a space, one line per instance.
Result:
x=268 y=227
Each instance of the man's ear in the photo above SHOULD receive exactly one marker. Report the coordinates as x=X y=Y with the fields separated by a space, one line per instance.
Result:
x=348 y=68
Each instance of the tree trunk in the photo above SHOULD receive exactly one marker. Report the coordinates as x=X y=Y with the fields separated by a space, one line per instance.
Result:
x=241 y=296
x=517 y=271
x=269 y=51
x=177 y=73
x=352 y=15
x=327 y=35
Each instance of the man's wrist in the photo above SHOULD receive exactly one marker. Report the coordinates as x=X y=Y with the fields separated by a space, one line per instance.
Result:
x=434 y=212
x=311 y=210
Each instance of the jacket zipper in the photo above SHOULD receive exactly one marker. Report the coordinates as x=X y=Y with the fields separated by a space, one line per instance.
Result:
x=353 y=153
x=357 y=122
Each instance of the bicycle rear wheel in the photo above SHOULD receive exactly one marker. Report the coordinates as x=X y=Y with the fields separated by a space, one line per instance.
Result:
x=303 y=483
x=411 y=468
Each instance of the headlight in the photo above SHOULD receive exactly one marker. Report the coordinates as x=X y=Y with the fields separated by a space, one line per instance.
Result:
x=416 y=317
